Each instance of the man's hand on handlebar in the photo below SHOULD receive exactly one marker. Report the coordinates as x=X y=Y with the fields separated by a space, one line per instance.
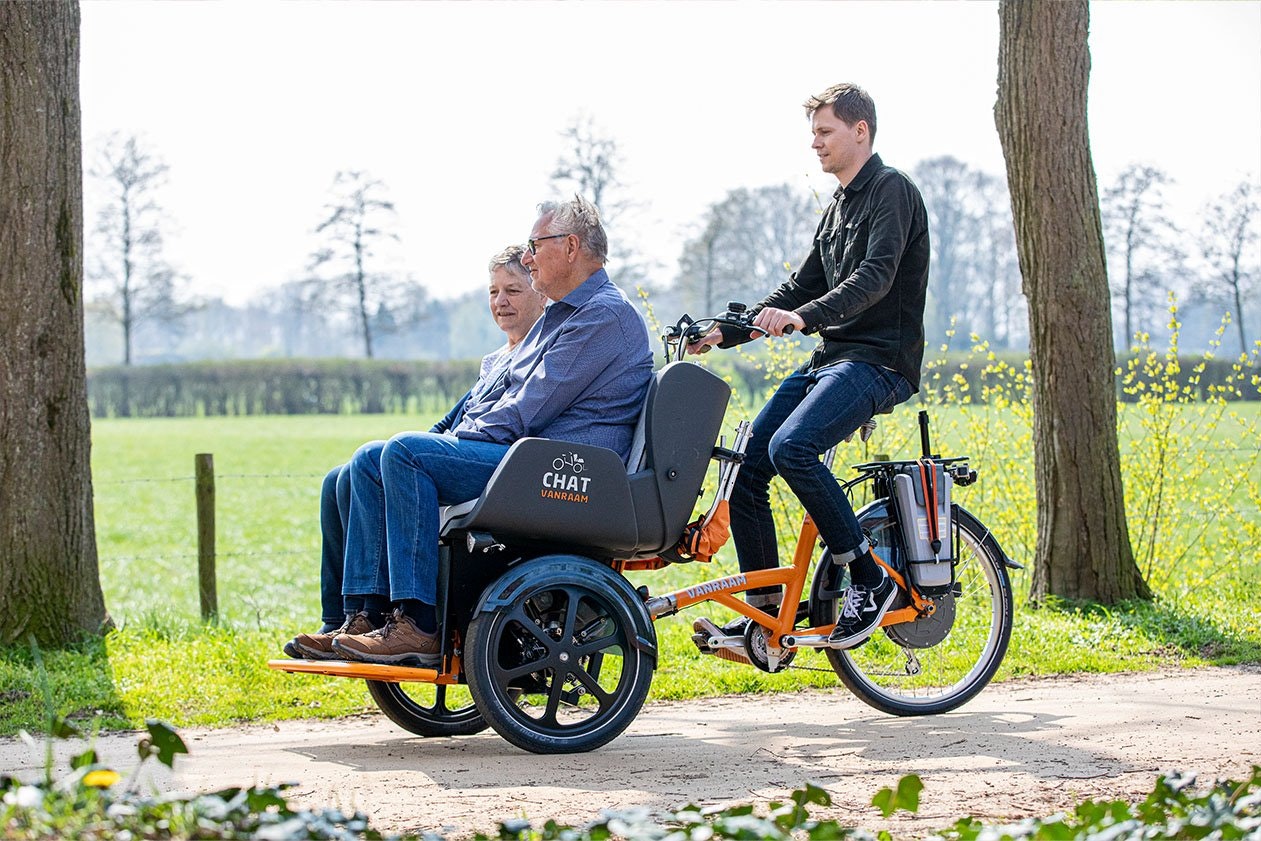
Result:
x=777 y=322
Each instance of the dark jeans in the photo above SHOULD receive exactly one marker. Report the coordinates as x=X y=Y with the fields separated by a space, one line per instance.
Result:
x=396 y=490
x=334 y=512
x=808 y=414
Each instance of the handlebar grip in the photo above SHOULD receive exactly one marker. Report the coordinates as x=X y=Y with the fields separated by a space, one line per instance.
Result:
x=788 y=330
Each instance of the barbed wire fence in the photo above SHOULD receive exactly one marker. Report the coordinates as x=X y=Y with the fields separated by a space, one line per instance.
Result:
x=205 y=554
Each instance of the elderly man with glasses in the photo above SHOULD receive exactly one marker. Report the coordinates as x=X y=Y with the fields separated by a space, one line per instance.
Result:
x=579 y=375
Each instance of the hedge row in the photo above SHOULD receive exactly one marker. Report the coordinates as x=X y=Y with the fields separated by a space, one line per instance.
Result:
x=277 y=387
x=330 y=386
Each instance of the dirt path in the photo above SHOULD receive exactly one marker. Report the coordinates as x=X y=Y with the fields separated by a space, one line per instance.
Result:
x=1019 y=749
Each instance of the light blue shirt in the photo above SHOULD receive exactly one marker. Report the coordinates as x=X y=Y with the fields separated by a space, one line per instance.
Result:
x=579 y=375
x=493 y=366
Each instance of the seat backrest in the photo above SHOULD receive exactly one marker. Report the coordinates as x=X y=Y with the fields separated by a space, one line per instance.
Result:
x=681 y=421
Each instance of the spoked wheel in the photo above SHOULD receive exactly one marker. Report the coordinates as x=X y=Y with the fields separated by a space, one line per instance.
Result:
x=428 y=709
x=560 y=655
x=937 y=663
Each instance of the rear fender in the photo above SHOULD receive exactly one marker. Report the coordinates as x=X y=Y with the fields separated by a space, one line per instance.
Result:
x=548 y=570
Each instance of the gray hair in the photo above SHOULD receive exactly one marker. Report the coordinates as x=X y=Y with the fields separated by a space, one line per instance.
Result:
x=581 y=218
x=510 y=259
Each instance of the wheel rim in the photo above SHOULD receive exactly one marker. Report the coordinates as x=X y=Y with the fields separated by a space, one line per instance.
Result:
x=561 y=660
x=435 y=703
x=963 y=662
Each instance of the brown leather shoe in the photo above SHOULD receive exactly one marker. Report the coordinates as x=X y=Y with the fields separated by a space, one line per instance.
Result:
x=320 y=646
x=398 y=643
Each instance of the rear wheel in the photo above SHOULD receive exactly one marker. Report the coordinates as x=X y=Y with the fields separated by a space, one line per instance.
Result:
x=560 y=655
x=428 y=709
x=936 y=663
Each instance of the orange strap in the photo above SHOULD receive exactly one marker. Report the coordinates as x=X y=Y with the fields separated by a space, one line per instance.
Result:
x=928 y=482
x=702 y=543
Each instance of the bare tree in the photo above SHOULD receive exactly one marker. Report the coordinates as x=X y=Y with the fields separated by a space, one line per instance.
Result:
x=1229 y=247
x=1083 y=546
x=1138 y=230
x=49 y=583
x=998 y=304
x=293 y=308
x=973 y=259
x=746 y=246
x=946 y=184
x=126 y=260
x=357 y=224
x=588 y=166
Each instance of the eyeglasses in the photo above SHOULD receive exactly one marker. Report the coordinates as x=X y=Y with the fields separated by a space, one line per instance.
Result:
x=533 y=244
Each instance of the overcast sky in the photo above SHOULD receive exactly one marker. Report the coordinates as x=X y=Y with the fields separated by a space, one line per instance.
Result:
x=458 y=109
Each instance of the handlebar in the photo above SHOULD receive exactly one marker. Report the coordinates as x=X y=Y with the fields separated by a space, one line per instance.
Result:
x=687 y=331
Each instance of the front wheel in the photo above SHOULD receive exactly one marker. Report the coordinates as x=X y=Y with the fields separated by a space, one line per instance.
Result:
x=939 y=662
x=560 y=655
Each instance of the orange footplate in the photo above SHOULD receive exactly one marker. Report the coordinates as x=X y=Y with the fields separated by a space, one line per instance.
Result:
x=366 y=671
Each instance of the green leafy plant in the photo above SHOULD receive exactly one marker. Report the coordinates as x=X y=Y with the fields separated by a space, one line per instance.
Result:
x=89 y=804
x=905 y=796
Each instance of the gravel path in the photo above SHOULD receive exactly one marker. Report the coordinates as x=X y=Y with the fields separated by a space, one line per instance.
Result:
x=1022 y=748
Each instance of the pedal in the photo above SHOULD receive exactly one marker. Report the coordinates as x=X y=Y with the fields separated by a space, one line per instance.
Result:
x=707 y=631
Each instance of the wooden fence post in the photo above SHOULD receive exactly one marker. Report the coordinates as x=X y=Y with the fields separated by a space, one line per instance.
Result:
x=204 y=464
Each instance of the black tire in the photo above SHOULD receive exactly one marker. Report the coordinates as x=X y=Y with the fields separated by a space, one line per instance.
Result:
x=938 y=663
x=560 y=655
x=428 y=709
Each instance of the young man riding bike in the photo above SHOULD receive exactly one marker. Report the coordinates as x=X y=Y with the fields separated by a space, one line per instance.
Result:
x=862 y=289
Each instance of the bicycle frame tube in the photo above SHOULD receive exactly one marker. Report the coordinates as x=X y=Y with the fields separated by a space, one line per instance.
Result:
x=793 y=580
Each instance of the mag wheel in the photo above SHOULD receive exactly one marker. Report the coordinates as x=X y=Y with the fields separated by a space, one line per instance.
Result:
x=560 y=655
x=428 y=709
x=934 y=664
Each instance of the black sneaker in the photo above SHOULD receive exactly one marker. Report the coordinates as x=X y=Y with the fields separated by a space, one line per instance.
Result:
x=861 y=609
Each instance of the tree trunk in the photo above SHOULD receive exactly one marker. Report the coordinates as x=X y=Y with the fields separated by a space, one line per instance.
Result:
x=1236 y=281
x=49 y=584
x=1083 y=547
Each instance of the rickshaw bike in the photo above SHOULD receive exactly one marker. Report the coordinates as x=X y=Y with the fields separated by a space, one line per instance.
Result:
x=545 y=639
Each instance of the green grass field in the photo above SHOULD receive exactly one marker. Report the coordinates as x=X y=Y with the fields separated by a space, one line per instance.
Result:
x=1202 y=558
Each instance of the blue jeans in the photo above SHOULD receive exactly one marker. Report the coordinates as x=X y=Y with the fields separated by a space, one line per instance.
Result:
x=334 y=512
x=396 y=487
x=809 y=413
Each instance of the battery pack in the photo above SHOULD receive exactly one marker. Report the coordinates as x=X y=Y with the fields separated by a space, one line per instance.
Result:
x=927 y=539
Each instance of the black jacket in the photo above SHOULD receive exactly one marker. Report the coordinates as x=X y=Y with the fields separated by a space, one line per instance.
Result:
x=862 y=286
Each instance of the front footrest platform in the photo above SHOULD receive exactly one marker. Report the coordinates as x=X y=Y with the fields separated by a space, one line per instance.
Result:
x=364 y=671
